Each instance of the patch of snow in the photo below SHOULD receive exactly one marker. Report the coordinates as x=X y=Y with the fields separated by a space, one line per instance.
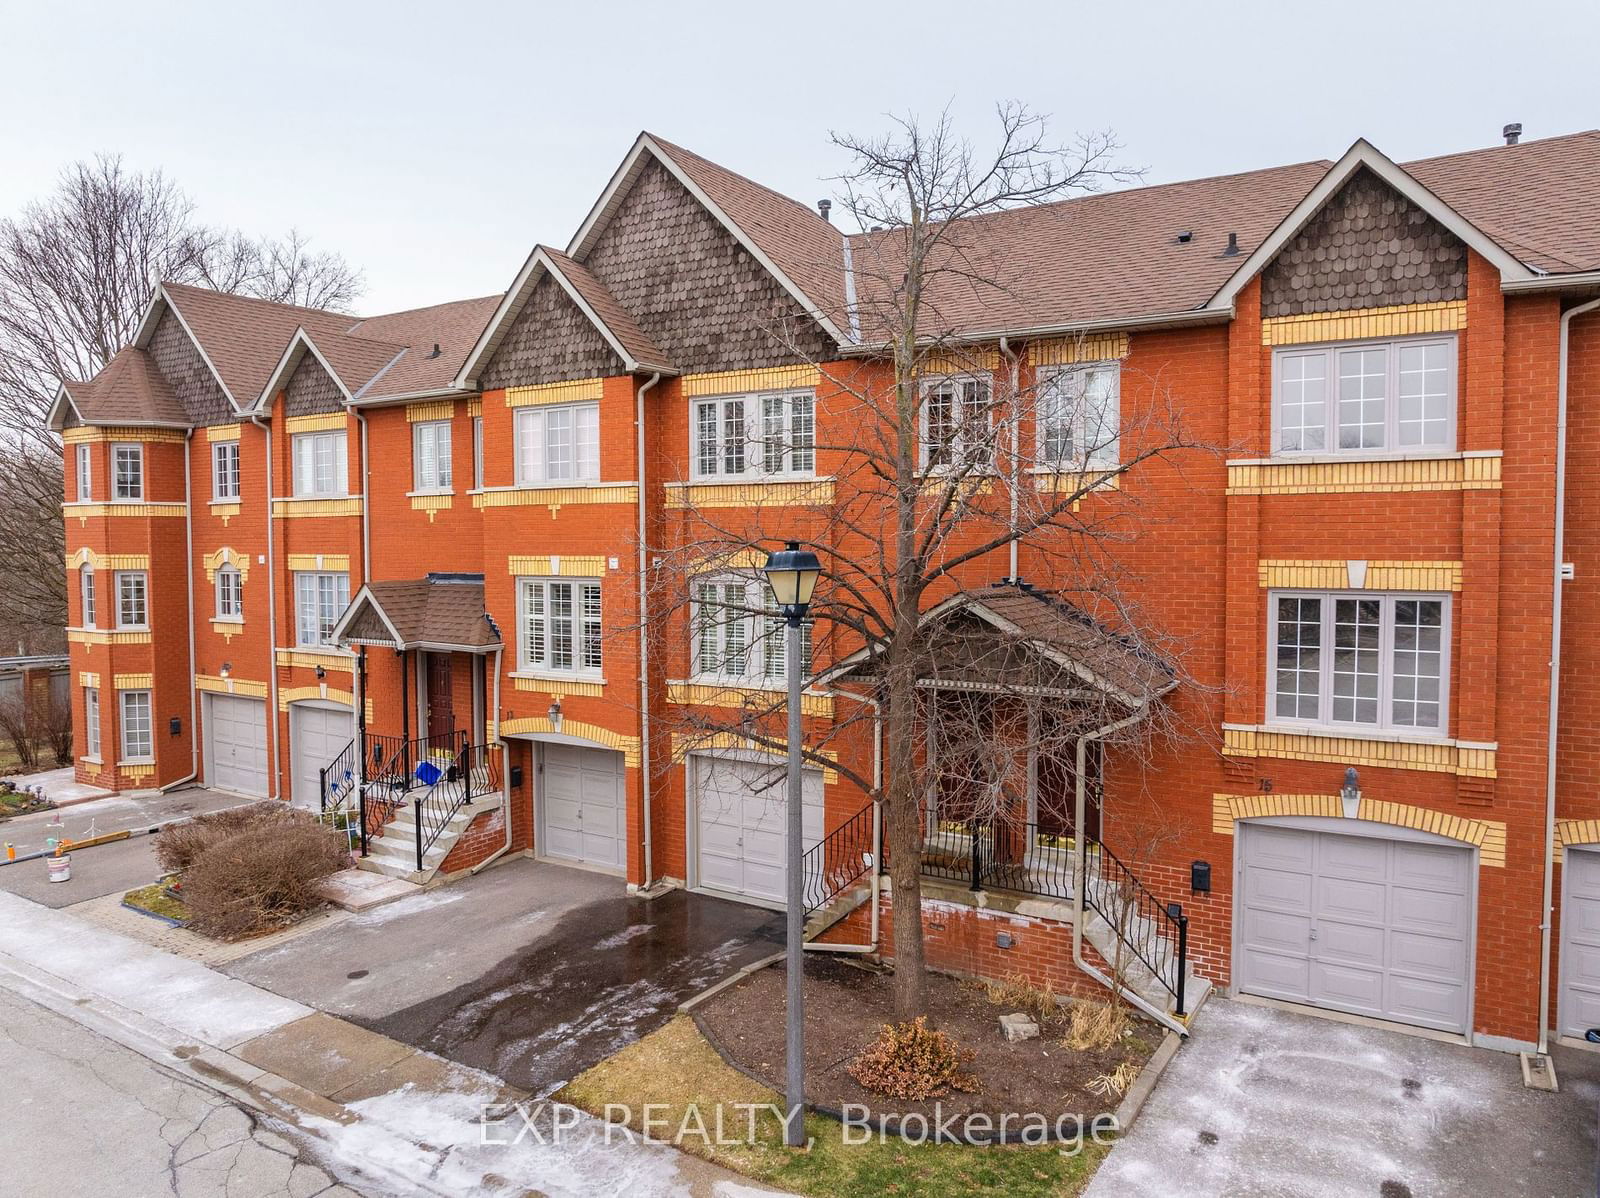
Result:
x=632 y=932
x=412 y=905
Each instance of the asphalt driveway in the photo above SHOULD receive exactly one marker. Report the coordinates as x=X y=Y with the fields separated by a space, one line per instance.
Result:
x=1266 y=1102
x=530 y=971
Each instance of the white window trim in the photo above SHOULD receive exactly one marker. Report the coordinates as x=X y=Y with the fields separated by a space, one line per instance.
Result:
x=139 y=487
x=306 y=488
x=117 y=598
x=1392 y=448
x=525 y=418
x=1105 y=457
x=125 y=757
x=85 y=468
x=755 y=443
x=1385 y=727
x=220 y=451
x=318 y=574
x=237 y=616
x=529 y=668
x=958 y=445
x=91 y=723
x=444 y=474
x=477 y=453
x=88 y=597
x=761 y=621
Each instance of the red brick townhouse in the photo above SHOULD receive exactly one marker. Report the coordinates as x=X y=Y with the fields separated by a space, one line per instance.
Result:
x=422 y=555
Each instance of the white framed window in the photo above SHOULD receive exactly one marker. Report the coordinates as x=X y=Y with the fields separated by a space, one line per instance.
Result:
x=230 y=594
x=225 y=470
x=91 y=721
x=477 y=453
x=957 y=424
x=135 y=722
x=85 y=490
x=86 y=593
x=133 y=599
x=1078 y=415
x=764 y=435
x=559 y=443
x=430 y=456
x=127 y=472
x=559 y=626
x=1360 y=659
x=321 y=465
x=738 y=634
x=1365 y=397
x=320 y=598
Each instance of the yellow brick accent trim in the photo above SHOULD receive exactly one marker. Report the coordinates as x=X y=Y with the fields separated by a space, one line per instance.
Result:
x=227 y=629
x=1380 y=576
x=226 y=511
x=810 y=493
x=88 y=678
x=105 y=636
x=560 y=688
x=560 y=565
x=576 y=391
x=320 y=423
x=212 y=562
x=437 y=409
x=735 y=382
x=555 y=498
x=432 y=504
x=1400 y=320
x=967 y=360
x=84 y=511
x=136 y=772
x=1441 y=757
x=319 y=561
x=692 y=694
x=107 y=561
x=1069 y=351
x=684 y=743
x=157 y=436
x=245 y=687
x=628 y=746
x=1289 y=477
x=1574 y=832
x=295 y=694
x=224 y=432
x=1488 y=836
x=1057 y=481
x=133 y=682
x=290 y=509
x=474 y=407
x=307 y=659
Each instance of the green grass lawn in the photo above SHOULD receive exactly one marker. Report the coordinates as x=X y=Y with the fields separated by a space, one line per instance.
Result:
x=677 y=1067
x=154 y=899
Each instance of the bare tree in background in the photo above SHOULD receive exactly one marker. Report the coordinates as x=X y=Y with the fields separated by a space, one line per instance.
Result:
x=939 y=456
x=76 y=272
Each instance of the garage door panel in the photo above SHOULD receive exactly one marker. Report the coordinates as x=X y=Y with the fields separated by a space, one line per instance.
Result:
x=741 y=814
x=1277 y=889
x=236 y=737
x=1431 y=867
x=1435 y=1004
x=1426 y=956
x=1342 y=898
x=583 y=815
x=1353 y=858
x=1350 y=944
x=1279 y=976
x=1348 y=987
x=1582 y=868
x=1274 y=931
x=1578 y=1008
x=317 y=735
x=1428 y=911
x=1283 y=848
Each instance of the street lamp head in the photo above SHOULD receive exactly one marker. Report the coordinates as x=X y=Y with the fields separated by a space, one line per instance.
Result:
x=792 y=573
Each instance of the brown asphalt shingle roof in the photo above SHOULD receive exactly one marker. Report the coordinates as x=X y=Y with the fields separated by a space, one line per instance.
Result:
x=435 y=612
x=129 y=390
x=453 y=326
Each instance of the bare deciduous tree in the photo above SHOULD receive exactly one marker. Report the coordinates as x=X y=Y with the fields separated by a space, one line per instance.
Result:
x=939 y=456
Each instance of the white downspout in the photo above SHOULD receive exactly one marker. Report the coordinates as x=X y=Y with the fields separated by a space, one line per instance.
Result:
x=188 y=574
x=1080 y=875
x=1555 y=676
x=505 y=766
x=366 y=492
x=272 y=618
x=876 y=897
x=644 y=638
x=1016 y=450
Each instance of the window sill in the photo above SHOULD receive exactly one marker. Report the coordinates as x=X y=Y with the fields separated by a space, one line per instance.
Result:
x=91 y=759
x=1335 y=459
x=131 y=628
x=552 y=676
x=748 y=480
x=223 y=501
x=1348 y=732
x=556 y=485
x=427 y=492
x=135 y=761
x=232 y=621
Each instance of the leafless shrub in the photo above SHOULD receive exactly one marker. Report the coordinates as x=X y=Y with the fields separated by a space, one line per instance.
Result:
x=19 y=725
x=182 y=845
x=914 y=1061
x=58 y=728
x=262 y=878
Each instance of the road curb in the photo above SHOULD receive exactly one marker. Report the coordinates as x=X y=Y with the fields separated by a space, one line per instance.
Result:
x=733 y=979
x=1143 y=1085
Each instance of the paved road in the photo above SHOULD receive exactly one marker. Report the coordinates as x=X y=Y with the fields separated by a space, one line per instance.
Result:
x=86 y=1117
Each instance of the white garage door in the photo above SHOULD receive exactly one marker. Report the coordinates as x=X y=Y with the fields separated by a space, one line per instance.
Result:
x=741 y=822
x=317 y=735
x=584 y=809
x=236 y=743
x=1355 y=923
x=1580 y=942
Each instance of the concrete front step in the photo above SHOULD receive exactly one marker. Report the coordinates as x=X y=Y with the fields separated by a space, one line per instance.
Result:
x=393 y=852
x=836 y=909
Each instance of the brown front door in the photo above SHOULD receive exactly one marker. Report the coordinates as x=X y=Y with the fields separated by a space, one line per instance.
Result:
x=441 y=703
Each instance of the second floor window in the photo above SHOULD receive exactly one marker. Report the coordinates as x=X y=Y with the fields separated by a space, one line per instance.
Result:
x=85 y=486
x=320 y=598
x=560 y=443
x=430 y=456
x=1371 y=397
x=1078 y=413
x=86 y=592
x=136 y=739
x=321 y=466
x=739 y=635
x=957 y=425
x=1358 y=659
x=230 y=594
x=560 y=626
x=225 y=470
x=127 y=472
x=754 y=436
x=477 y=453
x=91 y=721
x=132 y=599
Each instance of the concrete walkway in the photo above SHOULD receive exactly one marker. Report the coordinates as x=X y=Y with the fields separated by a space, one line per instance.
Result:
x=1272 y=1103
x=393 y=1120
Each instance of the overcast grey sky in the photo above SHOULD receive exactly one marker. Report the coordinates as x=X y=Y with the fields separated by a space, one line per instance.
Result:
x=434 y=143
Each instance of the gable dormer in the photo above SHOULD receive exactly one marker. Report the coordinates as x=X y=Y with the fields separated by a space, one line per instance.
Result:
x=551 y=340
x=187 y=372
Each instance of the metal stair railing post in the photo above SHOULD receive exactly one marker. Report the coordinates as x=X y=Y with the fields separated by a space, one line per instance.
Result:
x=416 y=814
x=977 y=858
x=1176 y=911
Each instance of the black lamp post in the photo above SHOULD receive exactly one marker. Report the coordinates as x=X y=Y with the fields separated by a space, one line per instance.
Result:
x=792 y=574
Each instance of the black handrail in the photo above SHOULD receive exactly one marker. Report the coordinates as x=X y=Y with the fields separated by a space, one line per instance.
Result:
x=838 y=860
x=474 y=772
x=1156 y=933
x=391 y=774
x=337 y=781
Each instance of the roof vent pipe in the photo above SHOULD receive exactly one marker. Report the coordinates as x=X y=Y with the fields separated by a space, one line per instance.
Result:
x=823 y=208
x=1512 y=133
x=1231 y=250
x=436 y=350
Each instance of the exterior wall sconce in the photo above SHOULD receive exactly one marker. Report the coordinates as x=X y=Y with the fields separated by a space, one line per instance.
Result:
x=321 y=673
x=1350 y=794
x=555 y=714
x=226 y=670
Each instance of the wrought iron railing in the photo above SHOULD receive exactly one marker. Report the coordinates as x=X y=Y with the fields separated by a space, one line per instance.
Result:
x=393 y=763
x=1156 y=933
x=338 y=781
x=839 y=859
x=474 y=773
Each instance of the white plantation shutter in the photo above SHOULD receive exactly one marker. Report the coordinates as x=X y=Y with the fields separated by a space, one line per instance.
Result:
x=588 y=432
